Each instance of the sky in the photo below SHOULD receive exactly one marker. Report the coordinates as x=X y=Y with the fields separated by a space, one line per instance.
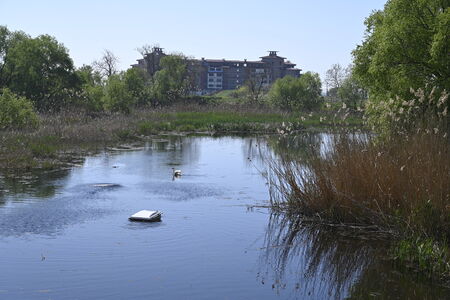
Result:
x=314 y=34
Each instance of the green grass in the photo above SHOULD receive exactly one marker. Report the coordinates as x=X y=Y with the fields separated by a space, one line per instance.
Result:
x=68 y=132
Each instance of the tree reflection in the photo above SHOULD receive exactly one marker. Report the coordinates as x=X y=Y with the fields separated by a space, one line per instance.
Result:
x=37 y=184
x=325 y=262
x=313 y=261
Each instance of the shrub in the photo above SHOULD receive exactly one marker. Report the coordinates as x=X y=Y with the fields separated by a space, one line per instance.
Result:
x=16 y=112
x=117 y=97
x=302 y=93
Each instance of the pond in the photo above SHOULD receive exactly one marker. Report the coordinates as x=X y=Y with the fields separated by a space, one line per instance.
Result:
x=65 y=235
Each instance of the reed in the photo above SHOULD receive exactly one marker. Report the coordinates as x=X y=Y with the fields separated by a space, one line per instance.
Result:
x=399 y=187
x=404 y=183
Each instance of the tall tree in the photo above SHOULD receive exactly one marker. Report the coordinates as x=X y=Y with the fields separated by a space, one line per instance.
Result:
x=172 y=82
x=407 y=45
x=107 y=64
x=40 y=69
x=335 y=76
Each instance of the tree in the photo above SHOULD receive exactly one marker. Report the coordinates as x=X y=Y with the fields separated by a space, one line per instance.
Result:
x=39 y=69
x=255 y=87
x=8 y=40
x=172 y=82
x=88 y=75
x=117 y=97
x=146 y=48
x=137 y=84
x=312 y=90
x=351 y=92
x=92 y=87
x=302 y=93
x=335 y=76
x=107 y=65
x=406 y=47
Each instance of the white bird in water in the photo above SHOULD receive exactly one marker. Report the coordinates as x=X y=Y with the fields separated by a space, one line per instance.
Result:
x=176 y=173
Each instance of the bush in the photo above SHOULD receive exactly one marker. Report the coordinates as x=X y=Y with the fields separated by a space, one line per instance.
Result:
x=302 y=93
x=117 y=97
x=16 y=112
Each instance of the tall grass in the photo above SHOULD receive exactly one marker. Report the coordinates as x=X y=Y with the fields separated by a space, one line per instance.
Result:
x=400 y=187
x=402 y=184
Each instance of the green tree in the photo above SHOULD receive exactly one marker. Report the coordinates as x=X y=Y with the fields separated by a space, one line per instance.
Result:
x=351 y=92
x=117 y=97
x=88 y=75
x=406 y=46
x=16 y=112
x=92 y=89
x=172 y=82
x=38 y=68
x=137 y=84
x=8 y=40
x=302 y=93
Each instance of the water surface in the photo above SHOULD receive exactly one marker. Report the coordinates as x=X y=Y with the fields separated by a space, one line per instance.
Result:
x=66 y=235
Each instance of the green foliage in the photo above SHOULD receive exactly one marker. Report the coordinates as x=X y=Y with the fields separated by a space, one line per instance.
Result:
x=38 y=68
x=425 y=255
x=406 y=46
x=89 y=76
x=16 y=112
x=117 y=97
x=137 y=84
x=93 y=97
x=172 y=81
x=351 y=93
x=302 y=93
x=92 y=89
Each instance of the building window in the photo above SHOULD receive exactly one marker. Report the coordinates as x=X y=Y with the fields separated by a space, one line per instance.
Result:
x=215 y=69
x=211 y=79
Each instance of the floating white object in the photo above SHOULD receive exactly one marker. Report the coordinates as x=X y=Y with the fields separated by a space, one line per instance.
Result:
x=146 y=216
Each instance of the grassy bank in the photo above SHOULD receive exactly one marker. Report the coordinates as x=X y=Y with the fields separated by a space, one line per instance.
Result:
x=61 y=136
x=400 y=188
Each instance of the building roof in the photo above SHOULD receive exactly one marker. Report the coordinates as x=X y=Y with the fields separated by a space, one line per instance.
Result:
x=273 y=56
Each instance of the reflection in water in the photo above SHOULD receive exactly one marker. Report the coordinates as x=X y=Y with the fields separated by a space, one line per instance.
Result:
x=37 y=184
x=320 y=262
x=326 y=263
x=199 y=250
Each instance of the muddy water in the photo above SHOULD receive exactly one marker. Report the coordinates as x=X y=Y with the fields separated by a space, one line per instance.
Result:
x=66 y=234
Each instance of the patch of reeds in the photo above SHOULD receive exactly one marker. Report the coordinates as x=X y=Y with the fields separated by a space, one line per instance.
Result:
x=400 y=186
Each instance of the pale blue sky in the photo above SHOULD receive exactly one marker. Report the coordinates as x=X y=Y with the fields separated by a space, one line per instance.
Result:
x=313 y=34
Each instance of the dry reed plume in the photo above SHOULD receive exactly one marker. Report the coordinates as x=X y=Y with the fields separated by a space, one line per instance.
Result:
x=403 y=184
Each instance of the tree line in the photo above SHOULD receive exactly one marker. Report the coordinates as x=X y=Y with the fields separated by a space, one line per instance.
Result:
x=405 y=52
